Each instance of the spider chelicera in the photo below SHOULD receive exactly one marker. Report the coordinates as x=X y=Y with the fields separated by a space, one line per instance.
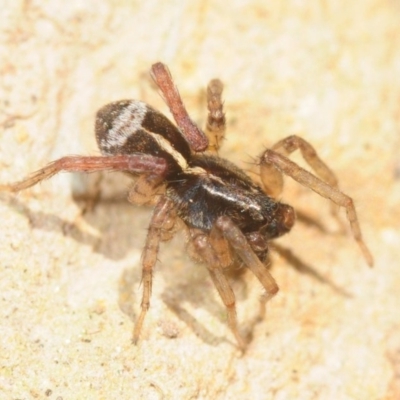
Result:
x=229 y=218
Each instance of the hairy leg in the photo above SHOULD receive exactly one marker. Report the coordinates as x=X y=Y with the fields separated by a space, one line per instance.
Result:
x=145 y=188
x=272 y=178
x=136 y=163
x=285 y=166
x=215 y=127
x=161 y=214
x=196 y=138
x=221 y=247
x=209 y=256
x=240 y=245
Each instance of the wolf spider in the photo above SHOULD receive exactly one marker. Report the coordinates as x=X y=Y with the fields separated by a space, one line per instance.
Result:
x=230 y=219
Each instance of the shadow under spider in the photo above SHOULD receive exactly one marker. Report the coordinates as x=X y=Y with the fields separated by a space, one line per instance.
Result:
x=51 y=222
x=175 y=294
x=193 y=291
x=111 y=217
x=302 y=217
x=189 y=289
x=246 y=327
x=215 y=308
x=300 y=266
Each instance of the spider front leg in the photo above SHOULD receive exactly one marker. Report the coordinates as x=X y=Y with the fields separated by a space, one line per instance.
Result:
x=282 y=165
x=161 y=216
x=195 y=137
x=136 y=163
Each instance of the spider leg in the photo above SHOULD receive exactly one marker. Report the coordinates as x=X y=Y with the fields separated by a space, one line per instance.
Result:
x=241 y=246
x=209 y=256
x=292 y=143
x=196 y=138
x=145 y=188
x=161 y=214
x=273 y=179
x=324 y=189
x=135 y=163
x=221 y=247
x=286 y=147
x=216 y=124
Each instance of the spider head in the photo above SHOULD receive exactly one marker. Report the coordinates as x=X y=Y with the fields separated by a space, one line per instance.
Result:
x=280 y=223
x=277 y=222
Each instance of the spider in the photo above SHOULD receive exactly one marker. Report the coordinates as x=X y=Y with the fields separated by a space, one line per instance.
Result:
x=229 y=218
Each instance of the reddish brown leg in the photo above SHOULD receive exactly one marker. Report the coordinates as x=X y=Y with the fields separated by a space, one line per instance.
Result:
x=215 y=127
x=305 y=178
x=136 y=163
x=161 y=214
x=196 y=138
x=211 y=259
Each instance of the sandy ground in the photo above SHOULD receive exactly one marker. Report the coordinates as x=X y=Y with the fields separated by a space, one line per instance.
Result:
x=70 y=293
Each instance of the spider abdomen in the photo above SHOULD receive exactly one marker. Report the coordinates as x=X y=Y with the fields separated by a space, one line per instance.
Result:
x=131 y=126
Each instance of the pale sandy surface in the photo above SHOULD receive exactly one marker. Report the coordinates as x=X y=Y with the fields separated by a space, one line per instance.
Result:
x=329 y=71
